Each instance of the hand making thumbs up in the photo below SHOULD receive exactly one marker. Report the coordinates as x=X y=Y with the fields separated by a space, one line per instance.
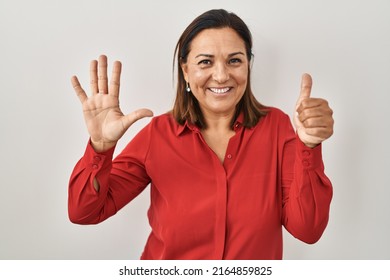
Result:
x=313 y=118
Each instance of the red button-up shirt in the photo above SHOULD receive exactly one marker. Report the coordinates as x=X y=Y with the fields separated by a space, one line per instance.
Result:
x=201 y=208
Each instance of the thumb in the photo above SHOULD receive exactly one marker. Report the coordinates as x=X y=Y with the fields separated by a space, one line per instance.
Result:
x=131 y=118
x=306 y=84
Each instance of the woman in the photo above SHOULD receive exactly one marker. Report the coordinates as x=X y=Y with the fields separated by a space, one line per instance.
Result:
x=226 y=172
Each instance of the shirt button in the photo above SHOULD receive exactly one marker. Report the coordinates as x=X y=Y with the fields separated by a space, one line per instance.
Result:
x=306 y=153
x=97 y=158
x=95 y=166
x=229 y=156
x=306 y=163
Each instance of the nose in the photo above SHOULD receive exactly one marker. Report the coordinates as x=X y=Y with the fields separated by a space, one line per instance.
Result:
x=221 y=73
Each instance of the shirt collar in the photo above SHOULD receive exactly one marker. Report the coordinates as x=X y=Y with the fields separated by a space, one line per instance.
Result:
x=239 y=120
x=190 y=126
x=186 y=126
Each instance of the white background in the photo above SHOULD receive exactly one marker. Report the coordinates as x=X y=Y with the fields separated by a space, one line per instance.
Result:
x=345 y=45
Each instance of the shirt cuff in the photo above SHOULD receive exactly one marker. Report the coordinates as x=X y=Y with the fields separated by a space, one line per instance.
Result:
x=96 y=161
x=309 y=158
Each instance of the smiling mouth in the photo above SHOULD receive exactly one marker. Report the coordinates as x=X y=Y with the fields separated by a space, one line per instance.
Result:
x=220 y=90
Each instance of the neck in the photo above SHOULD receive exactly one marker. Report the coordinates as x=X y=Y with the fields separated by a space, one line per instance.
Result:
x=218 y=133
x=218 y=122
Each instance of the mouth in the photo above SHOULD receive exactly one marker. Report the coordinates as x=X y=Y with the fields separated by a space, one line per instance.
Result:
x=220 y=91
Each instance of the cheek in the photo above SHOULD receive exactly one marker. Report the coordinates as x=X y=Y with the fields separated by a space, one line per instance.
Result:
x=242 y=77
x=198 y=77
x=242 y=83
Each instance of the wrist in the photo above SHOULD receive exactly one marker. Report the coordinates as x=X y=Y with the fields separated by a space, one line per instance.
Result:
x=310 y=145
x=102 y=146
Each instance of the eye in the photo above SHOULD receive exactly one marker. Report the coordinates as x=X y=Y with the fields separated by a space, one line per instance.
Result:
x=204 y=62
x=235 y=61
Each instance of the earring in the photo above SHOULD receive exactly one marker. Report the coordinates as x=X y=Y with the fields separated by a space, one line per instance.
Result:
x=188 y=89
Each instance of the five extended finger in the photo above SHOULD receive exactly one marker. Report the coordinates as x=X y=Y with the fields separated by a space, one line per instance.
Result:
x=135 y=116
x=93 y=77
x=102 y=74
x=115 y=79
x=78 y=89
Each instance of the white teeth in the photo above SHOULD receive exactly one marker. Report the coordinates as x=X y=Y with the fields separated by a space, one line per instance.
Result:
x=220 y=90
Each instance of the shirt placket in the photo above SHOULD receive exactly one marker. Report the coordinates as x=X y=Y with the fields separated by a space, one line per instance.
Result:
x=221 y=173
x=220 y=203
x=221 y=208
x=228 y=167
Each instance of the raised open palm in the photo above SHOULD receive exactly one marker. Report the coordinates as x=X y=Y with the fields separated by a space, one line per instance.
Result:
x=105 y=121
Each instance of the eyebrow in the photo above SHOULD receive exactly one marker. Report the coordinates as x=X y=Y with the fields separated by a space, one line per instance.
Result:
x=210 y=55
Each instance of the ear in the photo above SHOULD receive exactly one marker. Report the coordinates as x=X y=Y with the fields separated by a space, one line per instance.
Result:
x=184 y=68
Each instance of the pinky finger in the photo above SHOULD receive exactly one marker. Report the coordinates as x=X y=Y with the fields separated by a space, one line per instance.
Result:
x=322 y=133
x=78 y=89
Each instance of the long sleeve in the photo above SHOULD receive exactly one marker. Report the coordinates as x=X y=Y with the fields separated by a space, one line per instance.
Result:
x=200 y=208
x=307 y=191
x=120 y=181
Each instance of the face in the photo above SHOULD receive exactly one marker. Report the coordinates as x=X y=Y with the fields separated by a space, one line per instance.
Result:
x=217 y=70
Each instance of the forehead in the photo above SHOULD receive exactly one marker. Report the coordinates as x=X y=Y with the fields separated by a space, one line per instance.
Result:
x=217 y=40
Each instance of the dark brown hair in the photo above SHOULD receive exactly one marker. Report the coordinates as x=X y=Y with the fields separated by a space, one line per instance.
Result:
x=186 y=107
